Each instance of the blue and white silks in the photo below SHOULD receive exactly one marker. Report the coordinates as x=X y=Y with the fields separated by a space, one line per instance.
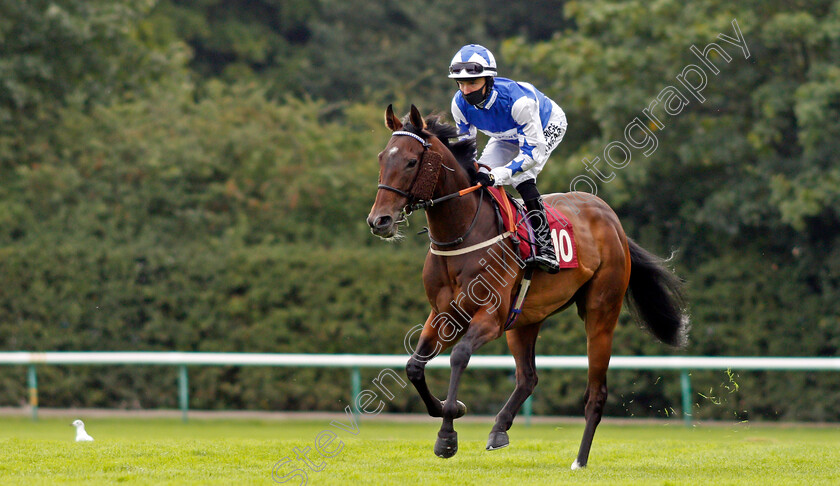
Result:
x=523 y=124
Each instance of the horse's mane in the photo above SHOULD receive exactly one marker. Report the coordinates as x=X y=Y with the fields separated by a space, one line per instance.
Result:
x=464 y=150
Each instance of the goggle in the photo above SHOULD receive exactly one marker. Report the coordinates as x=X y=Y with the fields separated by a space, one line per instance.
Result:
x=469 y=67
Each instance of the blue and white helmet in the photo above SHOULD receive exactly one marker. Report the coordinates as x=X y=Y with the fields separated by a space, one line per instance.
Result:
x=472 y=61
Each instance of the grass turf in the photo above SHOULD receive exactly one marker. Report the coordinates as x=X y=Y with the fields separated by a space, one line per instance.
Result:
x=166 y=451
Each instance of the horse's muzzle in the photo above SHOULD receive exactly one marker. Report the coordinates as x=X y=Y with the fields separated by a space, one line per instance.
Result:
x=382 y=226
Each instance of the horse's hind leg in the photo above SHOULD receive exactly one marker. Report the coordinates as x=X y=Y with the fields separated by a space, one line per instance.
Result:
x=429 y=346
x=599 y=307
x=522 y=342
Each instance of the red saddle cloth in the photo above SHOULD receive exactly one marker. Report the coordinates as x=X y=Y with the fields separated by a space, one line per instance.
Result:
x=562 y=233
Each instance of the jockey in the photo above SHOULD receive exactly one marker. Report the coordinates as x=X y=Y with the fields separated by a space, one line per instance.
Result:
x=524 y=127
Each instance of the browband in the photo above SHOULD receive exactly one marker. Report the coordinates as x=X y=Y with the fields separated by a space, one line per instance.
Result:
x=414 y=136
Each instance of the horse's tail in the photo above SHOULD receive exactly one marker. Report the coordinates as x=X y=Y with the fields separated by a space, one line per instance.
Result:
x=655 y=297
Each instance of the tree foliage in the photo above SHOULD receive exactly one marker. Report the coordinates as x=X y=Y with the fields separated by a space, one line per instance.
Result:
x=195 y=176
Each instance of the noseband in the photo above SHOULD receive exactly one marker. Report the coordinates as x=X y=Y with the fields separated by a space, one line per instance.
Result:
x=426 y=179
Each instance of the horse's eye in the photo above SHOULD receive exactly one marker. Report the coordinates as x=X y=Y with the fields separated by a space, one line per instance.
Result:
x=412 y=163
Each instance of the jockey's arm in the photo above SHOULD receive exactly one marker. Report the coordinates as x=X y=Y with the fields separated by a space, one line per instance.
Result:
x=532 y=145
x=465 y=129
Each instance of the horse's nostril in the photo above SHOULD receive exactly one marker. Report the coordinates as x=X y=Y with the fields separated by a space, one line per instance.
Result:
x=383 y=222
x=379 y=222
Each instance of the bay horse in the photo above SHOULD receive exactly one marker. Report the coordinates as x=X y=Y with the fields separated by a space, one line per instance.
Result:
x=471 y=293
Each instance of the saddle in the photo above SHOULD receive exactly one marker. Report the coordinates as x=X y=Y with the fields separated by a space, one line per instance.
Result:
x=513 y=218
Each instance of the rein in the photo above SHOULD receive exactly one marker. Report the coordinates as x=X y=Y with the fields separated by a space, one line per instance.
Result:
x=435 y=163
x=460 y=239
x=432 y=202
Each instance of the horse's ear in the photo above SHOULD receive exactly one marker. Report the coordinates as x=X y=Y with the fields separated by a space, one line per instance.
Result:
x=391 y=120
x=416 y=118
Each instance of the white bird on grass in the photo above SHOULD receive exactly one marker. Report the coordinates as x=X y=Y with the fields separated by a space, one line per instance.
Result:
x=81 y=434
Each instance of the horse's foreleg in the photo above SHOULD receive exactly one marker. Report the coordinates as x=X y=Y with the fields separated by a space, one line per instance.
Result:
x=429 y=346
x=416 y=371
x=522 y=342
x=447 y=442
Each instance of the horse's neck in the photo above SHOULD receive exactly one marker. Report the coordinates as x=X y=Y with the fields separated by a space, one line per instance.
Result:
x=453 y=218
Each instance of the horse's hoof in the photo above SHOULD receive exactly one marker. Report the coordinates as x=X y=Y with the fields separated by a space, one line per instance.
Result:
x=576 y=465
x=446 y=447
x=497 y=440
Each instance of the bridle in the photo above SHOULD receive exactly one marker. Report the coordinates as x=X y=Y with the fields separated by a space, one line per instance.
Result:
x=430 y=163
x=419 y=194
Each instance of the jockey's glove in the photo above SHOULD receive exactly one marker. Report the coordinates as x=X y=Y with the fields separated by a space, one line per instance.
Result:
x=485 y=179
x=501 y=176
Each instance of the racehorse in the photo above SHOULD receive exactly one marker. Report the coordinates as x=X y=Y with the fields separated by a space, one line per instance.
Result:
x=471 y=293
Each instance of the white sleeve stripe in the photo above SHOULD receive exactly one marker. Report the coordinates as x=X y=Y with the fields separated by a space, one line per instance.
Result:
x=461 y=121
x=526 y=112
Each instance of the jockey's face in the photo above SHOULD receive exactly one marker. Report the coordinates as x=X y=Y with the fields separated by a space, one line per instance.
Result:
x=467 y=86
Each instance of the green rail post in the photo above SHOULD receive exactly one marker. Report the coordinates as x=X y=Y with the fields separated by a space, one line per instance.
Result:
x=528 y=409
x=183 y=391
x=685 y=384
x=356 y=385
x=32 y=378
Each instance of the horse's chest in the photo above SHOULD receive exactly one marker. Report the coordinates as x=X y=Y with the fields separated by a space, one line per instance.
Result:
x=455 y=295
x=441 y=294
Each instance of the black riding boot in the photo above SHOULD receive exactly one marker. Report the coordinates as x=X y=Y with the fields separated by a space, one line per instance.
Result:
x=543 y=255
